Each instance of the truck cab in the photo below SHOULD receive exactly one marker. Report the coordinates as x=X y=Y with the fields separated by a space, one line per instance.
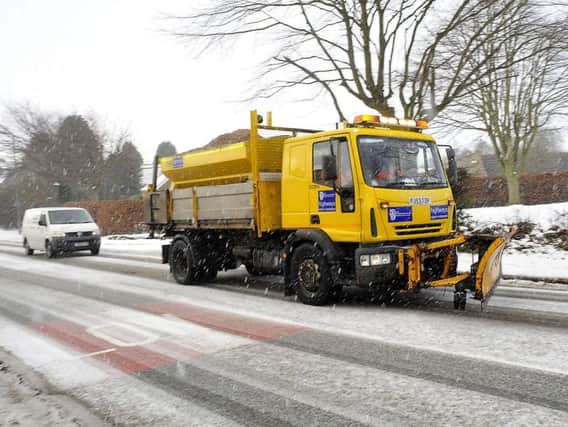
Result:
x=372 y=189
x=380 y=185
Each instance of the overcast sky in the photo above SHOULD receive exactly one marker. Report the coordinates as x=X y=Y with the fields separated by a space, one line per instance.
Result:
x=109 y=58
x=112 y=59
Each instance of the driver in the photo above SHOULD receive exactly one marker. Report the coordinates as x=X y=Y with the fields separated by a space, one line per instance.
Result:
x=386 y=171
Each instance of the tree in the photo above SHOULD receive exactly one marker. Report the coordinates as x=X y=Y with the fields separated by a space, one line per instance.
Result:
x=166 y=148
x=51 y=159
x=76 y=158
x=21 y=187
x=382 y=52
x=514 y=103
x=123 y=172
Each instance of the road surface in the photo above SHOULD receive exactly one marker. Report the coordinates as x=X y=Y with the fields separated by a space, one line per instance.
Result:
x=115 y=334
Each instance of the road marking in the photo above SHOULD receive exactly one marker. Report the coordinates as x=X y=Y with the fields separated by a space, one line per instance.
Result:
x=128 y=359
x=97 y=332
x=231 y=323
x=96 y=353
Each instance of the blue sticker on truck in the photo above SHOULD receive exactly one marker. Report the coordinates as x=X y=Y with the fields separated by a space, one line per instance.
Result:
x=326 y=201
x=177 y=162
x=400 y=214
x=439 y=212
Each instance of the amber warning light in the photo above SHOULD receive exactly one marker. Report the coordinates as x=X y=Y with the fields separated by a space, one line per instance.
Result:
x=371 y=119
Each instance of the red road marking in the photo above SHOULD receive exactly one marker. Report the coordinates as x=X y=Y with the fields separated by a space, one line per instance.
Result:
x=237 y=324
x=127 y=359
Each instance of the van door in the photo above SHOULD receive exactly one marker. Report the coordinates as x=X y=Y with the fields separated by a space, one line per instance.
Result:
x=41 y=231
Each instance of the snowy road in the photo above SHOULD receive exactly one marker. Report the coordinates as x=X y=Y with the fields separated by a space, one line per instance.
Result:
x=116 y=333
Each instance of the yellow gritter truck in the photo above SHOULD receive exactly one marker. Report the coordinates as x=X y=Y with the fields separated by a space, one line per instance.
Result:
x=368 y=204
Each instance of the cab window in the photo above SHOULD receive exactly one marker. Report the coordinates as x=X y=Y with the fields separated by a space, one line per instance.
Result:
x=339 y=149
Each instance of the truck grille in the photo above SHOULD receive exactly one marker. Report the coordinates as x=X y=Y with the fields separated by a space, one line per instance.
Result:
x=410 y=230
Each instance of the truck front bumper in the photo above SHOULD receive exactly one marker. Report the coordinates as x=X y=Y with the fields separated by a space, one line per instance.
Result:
x=385 y=273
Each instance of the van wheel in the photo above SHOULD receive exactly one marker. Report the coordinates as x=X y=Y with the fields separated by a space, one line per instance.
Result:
x=29 y=251
x=49 y=250
x=310 y=274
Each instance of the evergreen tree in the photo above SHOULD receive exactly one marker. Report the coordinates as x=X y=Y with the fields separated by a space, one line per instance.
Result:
x=165 y=149
x=76 y=159
x=123 y=172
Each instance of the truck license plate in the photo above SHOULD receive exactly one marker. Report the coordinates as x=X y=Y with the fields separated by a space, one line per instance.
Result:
x=420 y=200
x=81 y=244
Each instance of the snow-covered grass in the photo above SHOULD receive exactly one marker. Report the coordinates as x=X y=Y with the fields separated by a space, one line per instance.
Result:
x=543 y=216
x=539 y=250
x=543 y=229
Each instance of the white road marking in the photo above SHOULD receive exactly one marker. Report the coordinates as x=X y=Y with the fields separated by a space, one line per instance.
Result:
x=98 y=332
x=96 y=353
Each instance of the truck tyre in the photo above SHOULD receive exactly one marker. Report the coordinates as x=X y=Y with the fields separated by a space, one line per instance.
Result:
x=49 y=251
x=29 y=251
x=95 y=251
x=183 y=263
x=310 y=273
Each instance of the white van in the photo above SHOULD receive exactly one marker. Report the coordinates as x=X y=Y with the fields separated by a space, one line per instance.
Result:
x=56 y=230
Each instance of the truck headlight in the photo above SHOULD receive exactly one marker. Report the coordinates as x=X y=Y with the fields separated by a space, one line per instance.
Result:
x=380 y=259
x=364 y=261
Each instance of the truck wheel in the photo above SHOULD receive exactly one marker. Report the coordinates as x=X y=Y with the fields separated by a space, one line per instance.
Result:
x=29 y=251
x=95 y=251
x=182 y=263
x=310 y=275
x=49 y=251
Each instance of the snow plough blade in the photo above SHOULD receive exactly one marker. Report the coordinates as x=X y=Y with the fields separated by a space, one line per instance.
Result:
x=482 y=278
x=487 y=271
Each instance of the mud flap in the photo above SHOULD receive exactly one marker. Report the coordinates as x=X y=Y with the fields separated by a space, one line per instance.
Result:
x=488 y=271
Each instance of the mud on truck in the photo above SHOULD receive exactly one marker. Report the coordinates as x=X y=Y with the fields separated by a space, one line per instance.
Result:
x=368 y=204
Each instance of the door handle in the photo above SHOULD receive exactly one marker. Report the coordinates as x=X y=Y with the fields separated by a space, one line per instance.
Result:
x=314 y=219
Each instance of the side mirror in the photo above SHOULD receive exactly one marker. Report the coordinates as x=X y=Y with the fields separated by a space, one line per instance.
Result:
x=329 y=168
x=452 y=167
x=42 y=222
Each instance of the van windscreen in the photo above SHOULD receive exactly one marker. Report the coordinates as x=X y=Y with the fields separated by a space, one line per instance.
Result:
x=71 y=216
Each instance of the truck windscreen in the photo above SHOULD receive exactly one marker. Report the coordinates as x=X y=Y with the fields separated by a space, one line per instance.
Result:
x=400 y=163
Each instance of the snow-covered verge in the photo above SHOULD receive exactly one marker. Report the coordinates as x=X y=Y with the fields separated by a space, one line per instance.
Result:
x=540 y=248
x=27 y=400
x=539 y=225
